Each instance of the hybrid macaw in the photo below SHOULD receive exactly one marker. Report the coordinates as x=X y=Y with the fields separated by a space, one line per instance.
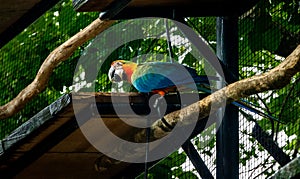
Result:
x=155 y=77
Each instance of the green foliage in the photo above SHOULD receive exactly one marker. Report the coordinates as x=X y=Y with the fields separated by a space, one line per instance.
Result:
x=170 y=167
x=272 y=26
x=206 y=27
x=22 y=57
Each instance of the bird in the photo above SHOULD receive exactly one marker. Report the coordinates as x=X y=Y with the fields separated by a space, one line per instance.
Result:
x=156 y=77
x=165 y=77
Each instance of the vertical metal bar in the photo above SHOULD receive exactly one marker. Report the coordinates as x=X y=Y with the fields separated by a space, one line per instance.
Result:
x=196 y=160
x=267 y=142
x=227 y=135
x=170 y=50
x=146 y=169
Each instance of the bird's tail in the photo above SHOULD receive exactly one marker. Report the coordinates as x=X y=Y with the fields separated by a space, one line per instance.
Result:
x=203 y=79
x=242 y=103
x=246 y=105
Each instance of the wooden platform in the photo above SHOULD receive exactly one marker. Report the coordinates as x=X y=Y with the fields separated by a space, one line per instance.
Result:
x=11 y=11
x=52 y=145
x=16 y=15
x=168 y=8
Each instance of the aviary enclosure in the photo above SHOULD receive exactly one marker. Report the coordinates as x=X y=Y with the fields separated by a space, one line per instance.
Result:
x=267 y=33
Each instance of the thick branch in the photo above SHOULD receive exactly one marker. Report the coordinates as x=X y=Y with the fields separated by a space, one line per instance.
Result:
x=57 y=56
x=276 y=78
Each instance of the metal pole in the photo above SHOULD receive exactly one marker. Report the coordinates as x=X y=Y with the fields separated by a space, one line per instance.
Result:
x=169 y=40
x=227 y=135
x=196 y=160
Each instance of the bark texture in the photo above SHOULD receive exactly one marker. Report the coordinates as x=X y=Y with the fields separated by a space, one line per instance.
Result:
x=60 y=54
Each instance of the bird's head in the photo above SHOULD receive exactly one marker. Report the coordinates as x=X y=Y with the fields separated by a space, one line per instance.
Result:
x=121 y=70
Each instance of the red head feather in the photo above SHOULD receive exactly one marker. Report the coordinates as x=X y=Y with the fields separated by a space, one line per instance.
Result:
x=128 y=67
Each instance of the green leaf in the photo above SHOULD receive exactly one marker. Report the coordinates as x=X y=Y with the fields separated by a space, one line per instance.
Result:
x=271 y=39
x=161 y=170
x=255 y=41
x=247 y=24
x=189 y=60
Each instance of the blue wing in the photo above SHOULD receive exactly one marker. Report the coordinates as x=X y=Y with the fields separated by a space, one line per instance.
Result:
x=160 y=75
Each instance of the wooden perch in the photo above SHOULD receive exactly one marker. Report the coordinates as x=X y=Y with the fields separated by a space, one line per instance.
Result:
x=276 y=78
x=60 y=54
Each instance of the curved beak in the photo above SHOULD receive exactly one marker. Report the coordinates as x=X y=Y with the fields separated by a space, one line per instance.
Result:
x=111 y=73
x=114 y=75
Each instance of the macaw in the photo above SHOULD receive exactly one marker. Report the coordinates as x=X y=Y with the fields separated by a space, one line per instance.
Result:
x=154 y=77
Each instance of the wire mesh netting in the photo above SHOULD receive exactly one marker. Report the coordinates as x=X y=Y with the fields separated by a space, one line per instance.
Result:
x=21 y=58
x=268 y=33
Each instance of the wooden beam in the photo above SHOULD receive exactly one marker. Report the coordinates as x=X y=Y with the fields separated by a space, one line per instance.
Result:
x=166 y=8
x=60 y=141
x=16 y=15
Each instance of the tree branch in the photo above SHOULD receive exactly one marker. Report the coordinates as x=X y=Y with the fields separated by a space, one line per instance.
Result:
x=60 y=54
x=276 y=78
